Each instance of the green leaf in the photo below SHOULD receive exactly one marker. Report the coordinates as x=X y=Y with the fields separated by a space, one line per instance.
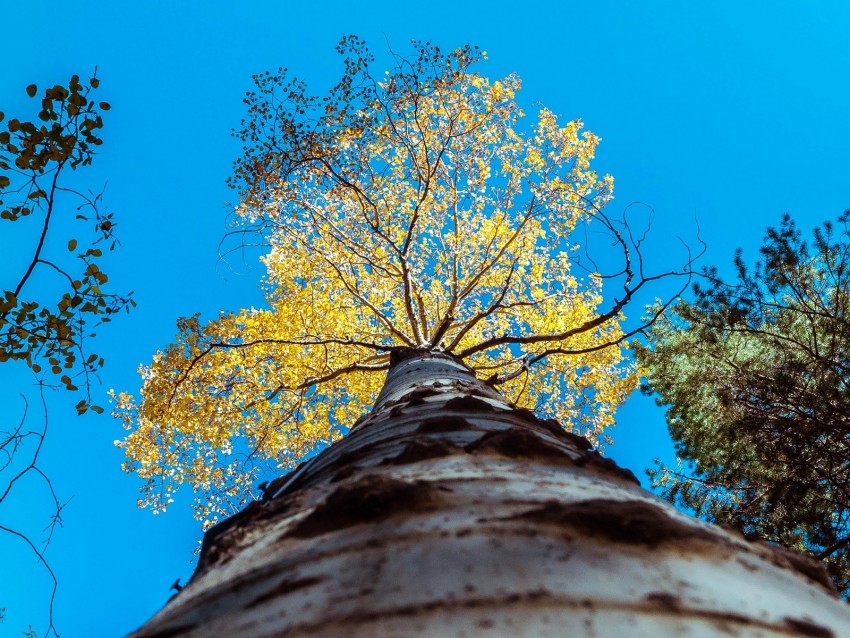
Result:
x=31 y=90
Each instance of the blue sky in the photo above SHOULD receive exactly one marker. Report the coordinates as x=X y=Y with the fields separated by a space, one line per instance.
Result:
x=731 y=112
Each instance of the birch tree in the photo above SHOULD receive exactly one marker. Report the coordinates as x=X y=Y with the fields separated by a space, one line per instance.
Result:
x=447 y=511
x=423 y=303
x=418 y=208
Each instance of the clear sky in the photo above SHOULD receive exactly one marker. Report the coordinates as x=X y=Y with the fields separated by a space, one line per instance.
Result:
x=728 y=111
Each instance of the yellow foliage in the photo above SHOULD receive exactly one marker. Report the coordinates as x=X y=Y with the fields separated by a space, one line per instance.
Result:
x=415 y=211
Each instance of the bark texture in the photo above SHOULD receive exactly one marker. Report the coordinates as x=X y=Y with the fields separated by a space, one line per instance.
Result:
x=448 y=512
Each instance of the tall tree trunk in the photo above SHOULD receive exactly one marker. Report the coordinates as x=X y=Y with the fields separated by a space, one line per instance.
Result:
x=448 y=512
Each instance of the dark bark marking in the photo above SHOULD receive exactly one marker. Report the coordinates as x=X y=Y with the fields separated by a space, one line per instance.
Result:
x=750 y=567
x=730 y=622
x=422 y=449
x=473 y=387
x=469 y=403
x=220 y=538
x=418 y=396
x=347 y=461
x=361 y=421
x=526 y=415
x=285 y=587
x=590 y=458
x=400 y=353
x=417 y=608
x=664 y=599
x=627 y=522
x=444 y=424
x=351 y=457
x=517 y=443
x=280 y=481
x=276 y=484
x=170 y=632
x=347 y=472
x=411 y=399
x=551 y=425
x=372 y=498
x=606 y=465
x=554 y=427
x=804 y=627
x=635 y=522
x=809 y=567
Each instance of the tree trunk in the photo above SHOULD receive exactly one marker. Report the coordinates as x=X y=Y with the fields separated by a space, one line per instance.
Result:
x=448 y=512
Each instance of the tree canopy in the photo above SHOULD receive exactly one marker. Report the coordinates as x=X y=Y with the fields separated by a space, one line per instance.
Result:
x=754 y=375
x=417 y=208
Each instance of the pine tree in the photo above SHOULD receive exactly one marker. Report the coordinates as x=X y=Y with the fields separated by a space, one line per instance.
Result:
x=753 y=372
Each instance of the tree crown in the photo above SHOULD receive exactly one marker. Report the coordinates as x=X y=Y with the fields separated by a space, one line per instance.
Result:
x=413 y=209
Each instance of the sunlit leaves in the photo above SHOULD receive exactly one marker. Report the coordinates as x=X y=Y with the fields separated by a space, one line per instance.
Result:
x=416 y=208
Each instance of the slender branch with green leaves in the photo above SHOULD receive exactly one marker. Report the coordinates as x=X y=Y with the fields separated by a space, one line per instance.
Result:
x=50 y=326
x=55 y=299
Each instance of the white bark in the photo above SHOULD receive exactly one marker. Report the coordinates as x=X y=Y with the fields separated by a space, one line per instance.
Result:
x=446 y=512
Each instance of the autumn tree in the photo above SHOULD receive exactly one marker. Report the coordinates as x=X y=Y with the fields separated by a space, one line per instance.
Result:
x=754 y=375
x=423 y=302
x=54 y=301
x=419 y=210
